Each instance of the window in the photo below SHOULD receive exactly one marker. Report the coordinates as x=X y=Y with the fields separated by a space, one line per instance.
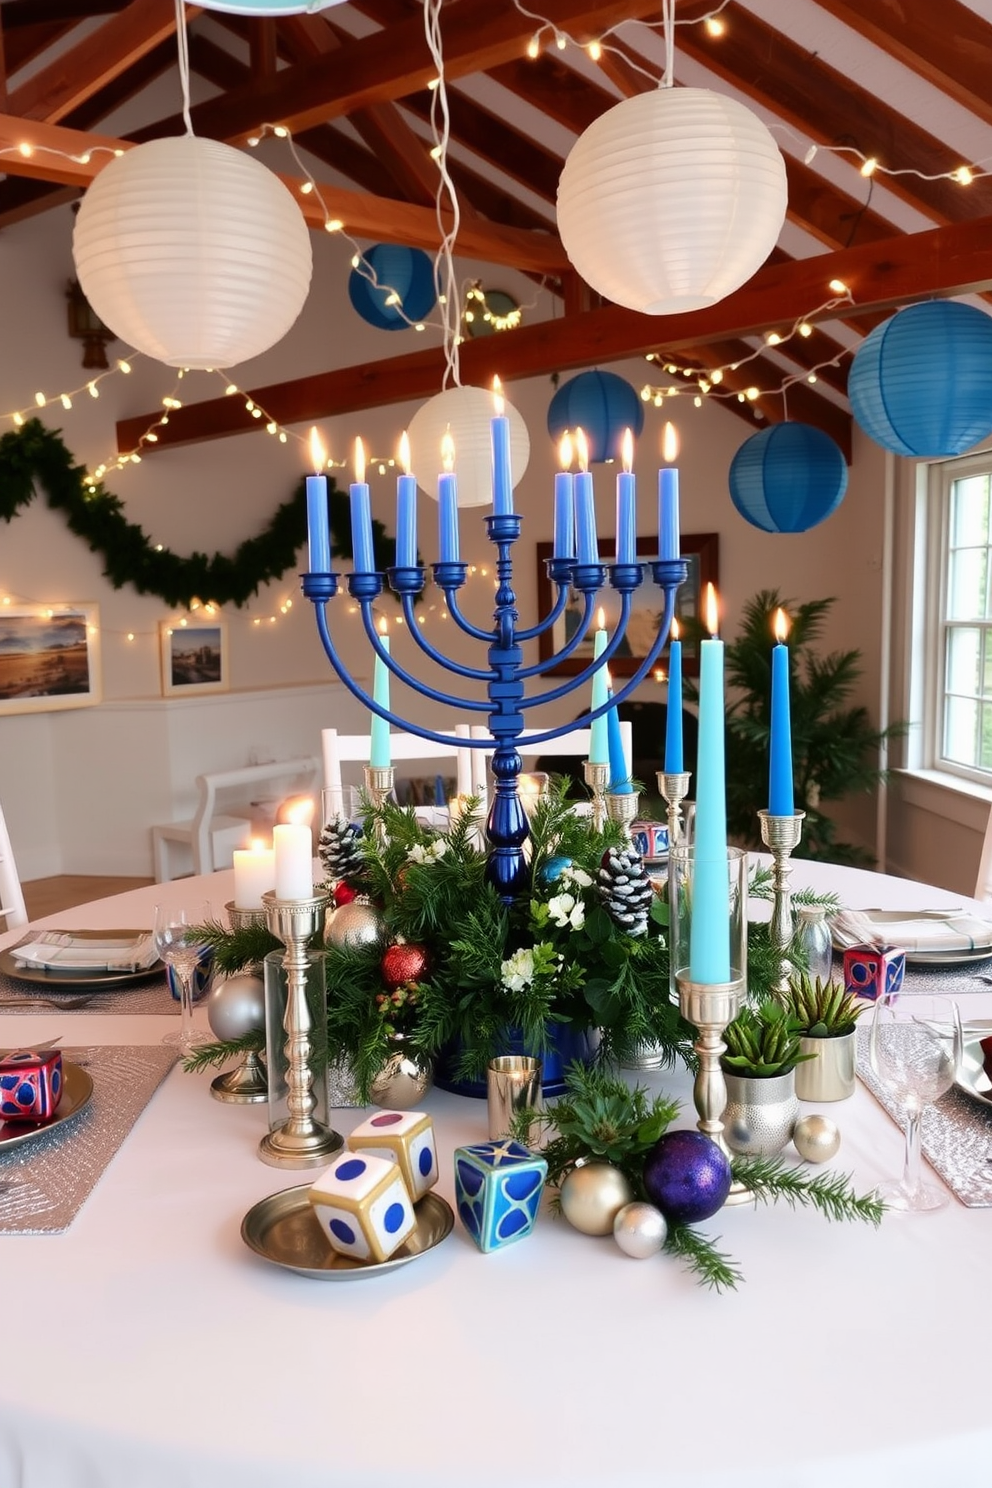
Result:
x=957 y=654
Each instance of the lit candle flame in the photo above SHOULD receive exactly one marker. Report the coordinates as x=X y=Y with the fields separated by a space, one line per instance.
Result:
x=781 y=626
x=498 y=402
x=383 y=625
x=359 y=462
x=601 y=618
x=670 y=444
x=405 y=452
x=298 y=810
x=712 y=611
x=675 y=630
x=448 y=451
x=318 y=454
x=258 y=845
x=582 y=448
x=565 y=451
x=627 y=450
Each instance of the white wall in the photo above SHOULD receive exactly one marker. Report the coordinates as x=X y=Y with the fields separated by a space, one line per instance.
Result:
x=60 y=772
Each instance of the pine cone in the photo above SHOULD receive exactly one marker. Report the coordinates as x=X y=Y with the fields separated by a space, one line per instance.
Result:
x=339 y=849
x=625 y=889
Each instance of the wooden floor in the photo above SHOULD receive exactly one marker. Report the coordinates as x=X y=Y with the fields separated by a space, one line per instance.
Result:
x=45 y=896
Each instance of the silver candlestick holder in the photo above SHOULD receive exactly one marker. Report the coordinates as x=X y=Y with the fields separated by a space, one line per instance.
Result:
x=247 y=1083
x=781 y=835
x=597 y=779
x=379 y=783
x=710 y=1006
x=622 y=808
x=300 y=1141
x=674 y=789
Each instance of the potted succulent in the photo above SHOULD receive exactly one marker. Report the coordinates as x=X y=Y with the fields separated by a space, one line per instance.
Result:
x=827 y=1016
x=763 y=1050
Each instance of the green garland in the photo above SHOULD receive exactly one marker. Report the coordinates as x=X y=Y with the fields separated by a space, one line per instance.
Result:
x=35 y=455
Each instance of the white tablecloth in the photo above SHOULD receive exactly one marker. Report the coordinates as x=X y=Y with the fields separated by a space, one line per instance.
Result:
x=148 y=1348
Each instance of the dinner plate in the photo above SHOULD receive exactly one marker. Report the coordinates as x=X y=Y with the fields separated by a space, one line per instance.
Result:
x=76 y=1091
x=284 y=1229
x=948 y=958
x=973 y=1075
x=67 y=979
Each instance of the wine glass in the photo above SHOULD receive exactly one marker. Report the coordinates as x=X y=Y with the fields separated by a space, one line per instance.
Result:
x=915 y=1047
x=180 y=947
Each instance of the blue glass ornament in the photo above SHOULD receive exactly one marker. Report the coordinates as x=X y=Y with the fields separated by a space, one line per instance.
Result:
x=406 y=272
x=602 y=405
x=921 y=383
x=553 y=869
x=788 y=478
x=687 y=1176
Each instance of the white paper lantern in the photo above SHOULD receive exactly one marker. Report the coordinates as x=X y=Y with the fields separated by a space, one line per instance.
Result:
x=192 y=252
x=266 y=7
x=671 y=200
x=465 y=412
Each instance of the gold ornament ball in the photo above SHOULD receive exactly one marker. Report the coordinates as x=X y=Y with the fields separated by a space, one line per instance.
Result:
x=816 y=1138
x=640 y=1230
x=592 y=1196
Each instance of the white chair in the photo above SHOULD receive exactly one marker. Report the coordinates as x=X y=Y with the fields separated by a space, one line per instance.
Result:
x=11 y=895
x=341 y=749
x=574 y=743
x=211 y=836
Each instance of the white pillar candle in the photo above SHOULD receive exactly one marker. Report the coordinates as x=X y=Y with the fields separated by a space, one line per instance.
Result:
x=294 y=861
x=254 y=875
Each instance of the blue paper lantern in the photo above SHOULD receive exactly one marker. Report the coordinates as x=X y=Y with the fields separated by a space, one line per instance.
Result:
x=396 y=270
x=602 y=405
x=921 y=383
x=788 y=478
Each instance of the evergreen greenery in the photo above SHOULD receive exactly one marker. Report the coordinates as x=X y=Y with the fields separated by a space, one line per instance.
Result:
x=834 y=746
x=33 y=455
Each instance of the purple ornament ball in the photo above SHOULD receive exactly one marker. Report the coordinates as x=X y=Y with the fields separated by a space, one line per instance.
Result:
x=687 y=1176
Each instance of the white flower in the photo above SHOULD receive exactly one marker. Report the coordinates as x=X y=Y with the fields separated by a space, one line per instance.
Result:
x=565 y=909
x=420 y=854
x=577 y=876
x=518 y=971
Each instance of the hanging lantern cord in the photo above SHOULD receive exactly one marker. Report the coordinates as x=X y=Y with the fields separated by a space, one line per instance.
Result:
x=667 y=79
x=444 y=263
x=182 y=42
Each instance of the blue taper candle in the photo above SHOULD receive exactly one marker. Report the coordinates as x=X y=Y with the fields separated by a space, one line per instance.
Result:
x=585 y=506
x=363 y=559
x=406 y=509
x=781 y=791
x=668 y=497
x=673 y=715
x=709 y=939
x=620 y=781
x=564 y=545
x=318 y=524
x=379 y=748
x=447 y=501
x=599 y=748
x=627 y=504
x=500 y=435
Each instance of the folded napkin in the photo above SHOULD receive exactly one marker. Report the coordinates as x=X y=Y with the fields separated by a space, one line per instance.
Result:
x=62 y=950
x=921 y=936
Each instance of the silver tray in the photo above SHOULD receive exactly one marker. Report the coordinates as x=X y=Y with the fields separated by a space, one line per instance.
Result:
x=76 y=1092
x=69 y=979
x=972 y=1077
x=283 y=1229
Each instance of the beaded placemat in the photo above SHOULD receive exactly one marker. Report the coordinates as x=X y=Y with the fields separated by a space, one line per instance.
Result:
x=45 y=1181
x=148 y=994
x=956 y=1135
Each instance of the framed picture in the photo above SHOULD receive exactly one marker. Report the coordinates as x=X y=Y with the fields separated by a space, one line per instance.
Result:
x=49 y=657
x=701 y=550
x=194 y=657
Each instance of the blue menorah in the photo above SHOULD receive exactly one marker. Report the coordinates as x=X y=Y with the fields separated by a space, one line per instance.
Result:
x=506 y=676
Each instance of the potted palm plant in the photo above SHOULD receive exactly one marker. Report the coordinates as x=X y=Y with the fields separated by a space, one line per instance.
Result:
x=763 y=1050
x=827 y=1016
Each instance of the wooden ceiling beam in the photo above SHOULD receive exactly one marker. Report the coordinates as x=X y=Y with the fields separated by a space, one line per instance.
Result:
x=831 y=109
x=949 y=44
x=101 y=57
x=73 y=158
x=393 y=62
x=941 y=261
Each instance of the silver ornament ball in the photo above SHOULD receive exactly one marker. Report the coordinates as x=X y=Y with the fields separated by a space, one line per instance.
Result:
x=592 y=1195
x=640 y=1230
x=236 y=1006
x=354 y=926
x=816 y=1137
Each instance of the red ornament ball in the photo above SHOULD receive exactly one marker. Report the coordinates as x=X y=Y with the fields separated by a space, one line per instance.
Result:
x=687 y=1176
x=343 y=894
x=403 y=963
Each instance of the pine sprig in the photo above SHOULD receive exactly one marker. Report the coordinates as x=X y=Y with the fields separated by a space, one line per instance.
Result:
x=206 y=1056
x=769 y=1180
x=762 y=886
x=709 y=1265
x=235 y=950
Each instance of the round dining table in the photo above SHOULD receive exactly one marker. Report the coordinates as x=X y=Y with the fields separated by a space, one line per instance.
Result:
x=149 y=1347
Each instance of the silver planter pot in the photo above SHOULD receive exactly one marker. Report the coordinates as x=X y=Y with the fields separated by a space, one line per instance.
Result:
x=760 y=1114
x=831 y=1075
